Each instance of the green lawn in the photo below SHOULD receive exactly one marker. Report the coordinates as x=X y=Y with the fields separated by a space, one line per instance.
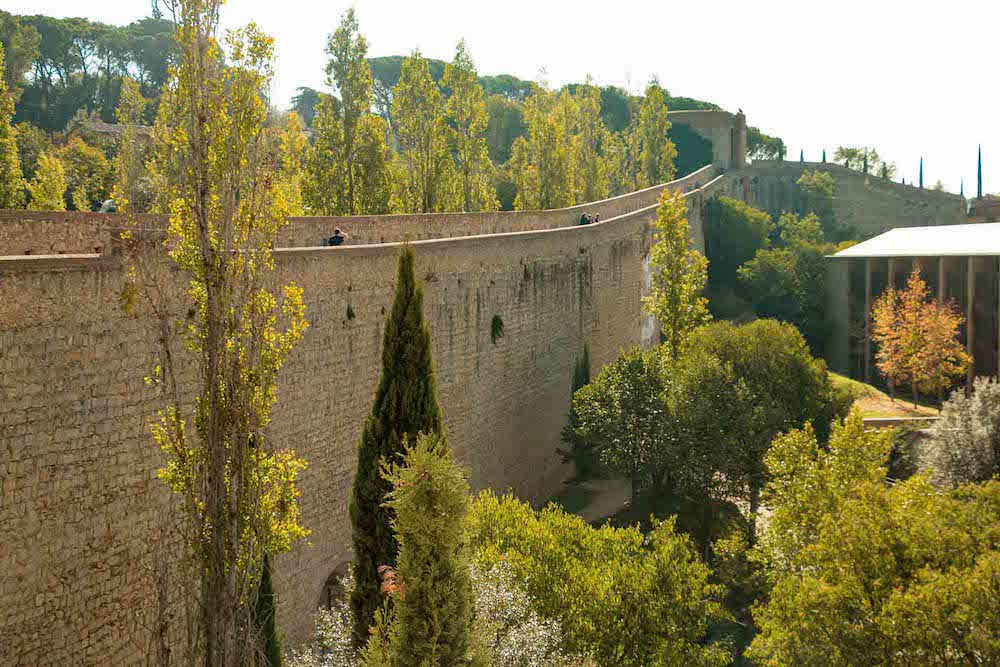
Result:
x=875 y=403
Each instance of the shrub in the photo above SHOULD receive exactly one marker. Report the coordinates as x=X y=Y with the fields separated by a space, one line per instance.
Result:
x=621 y=598
x=965 y=441
x=870 y=573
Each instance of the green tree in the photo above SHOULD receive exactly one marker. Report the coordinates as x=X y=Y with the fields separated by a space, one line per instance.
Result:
x=11 y=181
x=680 y=274
x=657 y=151
x=866 y=572
x=373 y=185
x=45 y=190
x=265 y=617
x=433 y=606
x=32 y=142
x=623 y=413
x=419 y=115
x=763 y=147
x=467 y=114
x=787 y=388
x=405 y=405
x=581 y=452
x=505 y=125
x=88 y=173
x=621 y=597
x=235 y=492
x=293 y=144
x=348 y=71
x=541 y=162
x=734 y=231
x=324 y=186
x=592 y=171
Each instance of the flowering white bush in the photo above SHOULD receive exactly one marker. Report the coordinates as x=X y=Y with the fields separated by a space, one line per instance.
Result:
x=506 y=631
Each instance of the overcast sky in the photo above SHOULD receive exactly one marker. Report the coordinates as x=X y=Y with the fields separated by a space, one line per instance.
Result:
x=911 y=77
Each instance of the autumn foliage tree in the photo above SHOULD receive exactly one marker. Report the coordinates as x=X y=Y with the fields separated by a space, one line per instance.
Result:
x=917 y=339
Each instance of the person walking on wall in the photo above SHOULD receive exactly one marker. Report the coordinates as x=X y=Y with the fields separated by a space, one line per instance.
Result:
x=338 y=237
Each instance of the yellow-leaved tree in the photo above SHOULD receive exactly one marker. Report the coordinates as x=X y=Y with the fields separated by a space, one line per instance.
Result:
x=47 y=186
x=11 y=181
x=917 y=339
x=235 y=488
x=679 y=274
x=466 y=109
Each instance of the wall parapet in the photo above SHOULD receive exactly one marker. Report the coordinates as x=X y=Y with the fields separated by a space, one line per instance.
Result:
x=45 y=233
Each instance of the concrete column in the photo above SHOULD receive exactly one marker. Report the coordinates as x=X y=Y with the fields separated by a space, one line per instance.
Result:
x=868 y=319
x=970 y=320
x=838 y=314
x=942 y=277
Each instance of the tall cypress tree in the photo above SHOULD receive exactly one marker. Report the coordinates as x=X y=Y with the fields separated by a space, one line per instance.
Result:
x=921 y=173
x=264 y=617
x=802 y=155
x=961 y=188
x=824 y=156
x=405 y=405
x=979 y=174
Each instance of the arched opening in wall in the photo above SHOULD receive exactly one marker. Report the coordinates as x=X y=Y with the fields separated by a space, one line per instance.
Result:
x=333 y=590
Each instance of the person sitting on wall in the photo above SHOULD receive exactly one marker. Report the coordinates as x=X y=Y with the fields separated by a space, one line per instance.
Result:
x=584 y=219
x=338 y=237
x=597 y=217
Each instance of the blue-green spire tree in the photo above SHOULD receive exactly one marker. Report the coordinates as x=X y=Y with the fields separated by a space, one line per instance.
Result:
x=921 y=173
x=802 y=155
x=824 y=156
x=961 y=188
x=864 y=165
x=405 y=406
x=979 y=174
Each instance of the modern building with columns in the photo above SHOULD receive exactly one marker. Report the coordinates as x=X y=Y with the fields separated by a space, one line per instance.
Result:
x=960 y=263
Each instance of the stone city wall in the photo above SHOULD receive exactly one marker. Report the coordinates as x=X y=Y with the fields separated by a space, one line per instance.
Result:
x=866 y=202
x=81 y=505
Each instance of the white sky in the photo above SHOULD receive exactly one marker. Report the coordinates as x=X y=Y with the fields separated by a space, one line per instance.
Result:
x=912 y=77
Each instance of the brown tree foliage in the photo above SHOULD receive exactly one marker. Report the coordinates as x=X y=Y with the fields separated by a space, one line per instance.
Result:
x=917 y=338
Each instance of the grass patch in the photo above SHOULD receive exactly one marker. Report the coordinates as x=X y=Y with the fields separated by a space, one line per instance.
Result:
x=875 y=403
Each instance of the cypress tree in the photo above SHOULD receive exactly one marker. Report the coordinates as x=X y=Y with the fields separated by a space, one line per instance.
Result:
x=264 y=617
x=434 y=604
x=864 y=166
x=921 y=173
x=802 y=155
x=979 y=174
x=405 y=405
x=580 y=452
x=824 y=156
x=961 y=188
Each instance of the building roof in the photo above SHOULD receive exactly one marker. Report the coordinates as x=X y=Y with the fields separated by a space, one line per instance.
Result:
x=939 y=241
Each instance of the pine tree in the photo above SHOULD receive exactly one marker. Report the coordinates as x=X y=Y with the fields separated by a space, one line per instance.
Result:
x=11 y=182
x=432 y=583
x=264 y=617
x=405 y=405
x=979 y=174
